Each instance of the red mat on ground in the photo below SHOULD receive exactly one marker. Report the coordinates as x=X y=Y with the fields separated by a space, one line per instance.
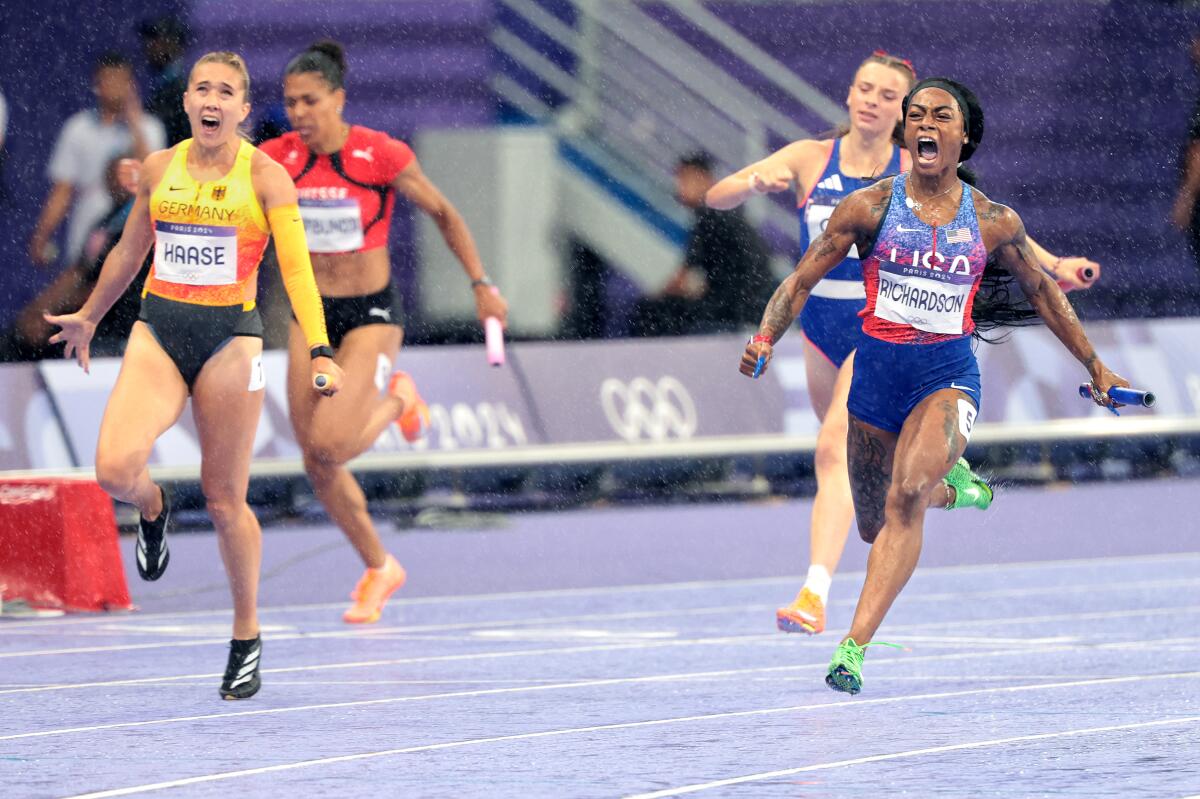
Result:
x=59 y=546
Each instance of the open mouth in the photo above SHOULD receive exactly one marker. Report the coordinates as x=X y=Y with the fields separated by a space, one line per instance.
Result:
x=927 y=148
x=209 y=122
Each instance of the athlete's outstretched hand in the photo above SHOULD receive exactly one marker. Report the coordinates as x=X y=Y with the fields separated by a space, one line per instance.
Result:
x=1103 y=379
x=77 y=331
x=755 y=350
x=327 y=376
x=489 y=302
x=770 y=179
x=1071 y=273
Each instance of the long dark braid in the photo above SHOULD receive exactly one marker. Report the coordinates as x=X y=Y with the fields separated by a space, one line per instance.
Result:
x=999 y=303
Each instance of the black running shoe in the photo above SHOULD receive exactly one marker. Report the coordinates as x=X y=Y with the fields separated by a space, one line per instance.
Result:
x=152 y=554
x=241 y=674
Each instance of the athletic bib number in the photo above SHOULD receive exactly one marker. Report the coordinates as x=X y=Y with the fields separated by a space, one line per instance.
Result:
x=332 y=225
x=195 y=255
x=817 y=217
x=923 y=298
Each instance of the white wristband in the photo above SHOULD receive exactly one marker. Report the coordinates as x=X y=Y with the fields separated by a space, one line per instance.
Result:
x=754 y=189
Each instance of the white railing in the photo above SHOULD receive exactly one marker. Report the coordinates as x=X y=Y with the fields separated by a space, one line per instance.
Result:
x=707 y=447
x=641 y=95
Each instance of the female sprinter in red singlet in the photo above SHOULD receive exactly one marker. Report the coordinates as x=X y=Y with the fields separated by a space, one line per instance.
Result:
x=348 y=176
x=208 y=207
x=926 y=237
x=824 y=172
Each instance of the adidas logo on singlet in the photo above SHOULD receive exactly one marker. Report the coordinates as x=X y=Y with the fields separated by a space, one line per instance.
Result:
x=832 y=183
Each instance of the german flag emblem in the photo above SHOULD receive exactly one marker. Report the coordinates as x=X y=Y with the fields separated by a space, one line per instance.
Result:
x=218 y=193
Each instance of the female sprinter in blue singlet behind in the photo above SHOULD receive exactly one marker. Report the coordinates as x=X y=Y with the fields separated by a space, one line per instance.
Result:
x=208 y=207
x=915 y=390
x=824 y=172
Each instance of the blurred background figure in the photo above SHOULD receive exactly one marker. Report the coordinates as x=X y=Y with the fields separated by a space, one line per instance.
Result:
x=89 y=140
x=163 y=43
x=25 y=339
x=1185 y=214
x=725 y=276
x=3 y=152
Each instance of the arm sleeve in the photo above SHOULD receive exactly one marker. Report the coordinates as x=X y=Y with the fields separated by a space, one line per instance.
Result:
x=296 y=268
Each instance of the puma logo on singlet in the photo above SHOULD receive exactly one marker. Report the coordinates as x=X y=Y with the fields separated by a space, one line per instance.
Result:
x=367 y=154
x=383 y=313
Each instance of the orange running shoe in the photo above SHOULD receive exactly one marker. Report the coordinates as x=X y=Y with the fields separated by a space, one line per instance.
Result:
x=415 y=417
x=373 y=590
x=805 y=615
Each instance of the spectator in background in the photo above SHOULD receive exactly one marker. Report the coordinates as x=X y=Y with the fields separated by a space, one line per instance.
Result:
x=3 y=119
x=89 y=140
x=1185 y=214
x=725 y=272
x=26 y=340
x=163 y=43
x=3 y=157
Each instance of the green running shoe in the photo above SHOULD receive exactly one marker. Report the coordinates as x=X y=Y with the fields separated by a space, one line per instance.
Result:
x=970 y=490
x=845 y=669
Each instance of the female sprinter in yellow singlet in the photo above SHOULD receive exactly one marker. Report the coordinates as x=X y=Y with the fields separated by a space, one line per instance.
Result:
x=208 y=206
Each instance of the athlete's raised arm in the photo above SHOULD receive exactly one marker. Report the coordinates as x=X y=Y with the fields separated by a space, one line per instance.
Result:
x=119 y=269
x=1004 y=229
x=854 y=221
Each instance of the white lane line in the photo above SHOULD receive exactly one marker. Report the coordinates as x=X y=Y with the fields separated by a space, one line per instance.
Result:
x=384 y=631
x=930 y=571
x=132 y=628
x=574 y=684
x=629 y=615
x=932 y=750
x=1055 y=617
x=839 y=704
x=770 y=639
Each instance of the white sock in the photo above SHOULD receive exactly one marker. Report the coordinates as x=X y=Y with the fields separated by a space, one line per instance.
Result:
x=818 y=581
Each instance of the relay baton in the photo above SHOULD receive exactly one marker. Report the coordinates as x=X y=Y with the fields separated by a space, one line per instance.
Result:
x=1125 y=396
x=758 y=366
x=321 y=380
x=1086 y=273
x=494 y=336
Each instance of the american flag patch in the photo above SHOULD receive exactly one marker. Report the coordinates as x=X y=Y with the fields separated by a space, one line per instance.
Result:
x=958 y=235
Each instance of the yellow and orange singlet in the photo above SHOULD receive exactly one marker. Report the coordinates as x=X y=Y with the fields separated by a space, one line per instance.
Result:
x=210 y=237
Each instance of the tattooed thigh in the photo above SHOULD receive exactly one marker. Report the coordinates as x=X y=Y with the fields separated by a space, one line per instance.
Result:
x=870 y=460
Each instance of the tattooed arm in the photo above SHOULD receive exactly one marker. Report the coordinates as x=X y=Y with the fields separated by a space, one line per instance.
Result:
x=855 y=219
x=1001 y=225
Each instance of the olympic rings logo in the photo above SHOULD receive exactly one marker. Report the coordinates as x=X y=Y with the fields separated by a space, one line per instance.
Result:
x=645 y=409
